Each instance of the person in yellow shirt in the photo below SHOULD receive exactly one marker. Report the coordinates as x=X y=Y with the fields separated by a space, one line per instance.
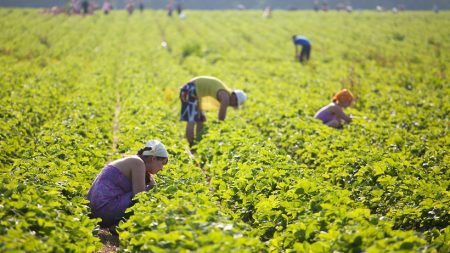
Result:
x=195 y=95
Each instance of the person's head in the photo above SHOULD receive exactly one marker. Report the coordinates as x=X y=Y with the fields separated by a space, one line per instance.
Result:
x=237 y=98
x=155 y=156
x=343 y=98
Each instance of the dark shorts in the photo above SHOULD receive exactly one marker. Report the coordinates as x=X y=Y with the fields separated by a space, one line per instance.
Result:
x=190 y=105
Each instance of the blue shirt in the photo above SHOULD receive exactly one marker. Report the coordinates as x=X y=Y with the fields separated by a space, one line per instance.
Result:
x=301 y=40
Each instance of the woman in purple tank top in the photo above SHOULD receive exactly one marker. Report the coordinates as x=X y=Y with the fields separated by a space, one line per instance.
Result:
x=114 y=188
x=333 y=114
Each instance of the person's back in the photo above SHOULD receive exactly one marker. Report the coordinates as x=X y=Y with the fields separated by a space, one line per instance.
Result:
x=325 y=113
x=301 y=40
x=209 y=86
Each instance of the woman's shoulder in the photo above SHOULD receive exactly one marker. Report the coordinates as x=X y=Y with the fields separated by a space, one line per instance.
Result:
x=129 y=161
x=134 y=159
x=333 y=105
x=326 y=107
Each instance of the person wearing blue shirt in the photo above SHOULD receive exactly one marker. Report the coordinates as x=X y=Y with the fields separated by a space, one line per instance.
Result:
x=306 y=47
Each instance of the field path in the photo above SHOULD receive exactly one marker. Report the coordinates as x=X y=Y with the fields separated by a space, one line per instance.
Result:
x=110 y=242
x=116 y=123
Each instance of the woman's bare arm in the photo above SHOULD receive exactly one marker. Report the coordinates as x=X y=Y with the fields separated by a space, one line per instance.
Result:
x=138 y=176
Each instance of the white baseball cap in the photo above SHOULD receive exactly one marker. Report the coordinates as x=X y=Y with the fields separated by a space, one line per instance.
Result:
x=241 y=97
x=157 y=149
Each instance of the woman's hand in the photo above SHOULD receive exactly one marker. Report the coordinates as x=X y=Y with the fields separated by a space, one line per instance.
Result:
x=151 y=182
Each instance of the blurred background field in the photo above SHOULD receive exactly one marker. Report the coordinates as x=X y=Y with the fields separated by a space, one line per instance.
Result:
x=250 y=4
x=78 y=91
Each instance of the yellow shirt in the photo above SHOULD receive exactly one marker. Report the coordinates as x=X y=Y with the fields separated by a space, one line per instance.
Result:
x=207 y=88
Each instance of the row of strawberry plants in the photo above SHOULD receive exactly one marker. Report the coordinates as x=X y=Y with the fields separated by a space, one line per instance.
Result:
x=407 y=240
x=141 y=78
x=177 y=215
x=57 y=131
x=421 y=212
x=290 y=205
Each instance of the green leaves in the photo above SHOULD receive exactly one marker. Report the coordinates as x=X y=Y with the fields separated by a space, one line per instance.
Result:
x=277 y=179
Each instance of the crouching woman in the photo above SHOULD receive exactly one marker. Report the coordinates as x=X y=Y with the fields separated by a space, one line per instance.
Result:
x=333 y=114
x=114 y=188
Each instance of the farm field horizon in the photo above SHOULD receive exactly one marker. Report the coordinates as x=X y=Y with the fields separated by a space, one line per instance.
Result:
x=78 y=92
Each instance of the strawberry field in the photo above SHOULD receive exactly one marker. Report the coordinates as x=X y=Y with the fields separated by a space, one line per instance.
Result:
x=77 y=92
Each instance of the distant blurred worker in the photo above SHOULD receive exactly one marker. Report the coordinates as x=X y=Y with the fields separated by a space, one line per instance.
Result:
x=325 y=6
x=333 y=114
x=76 y=6
x=55 y=10
x=85 y=7
x=179 y=8
x=316 y=5
x=349 y=8
x=141 y=6
x=300 y=40
x=107 y=7
x=169 y=8
x=267 y=13
x=130 y=7
x=113 y=190
x=194 y=97
x=92 y=7
x=435 y=8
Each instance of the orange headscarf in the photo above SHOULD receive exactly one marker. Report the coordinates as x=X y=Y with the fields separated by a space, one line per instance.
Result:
x=343 y=96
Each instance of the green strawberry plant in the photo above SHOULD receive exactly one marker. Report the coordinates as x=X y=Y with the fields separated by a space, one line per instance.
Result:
x=78 y=92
